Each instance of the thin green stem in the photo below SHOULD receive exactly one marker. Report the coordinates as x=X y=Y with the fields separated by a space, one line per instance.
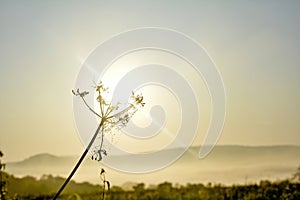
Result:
x=108 y=110
x=102 y=136
x=79 y=161
x=103 y=193
x=121 y=112
x=90 y=108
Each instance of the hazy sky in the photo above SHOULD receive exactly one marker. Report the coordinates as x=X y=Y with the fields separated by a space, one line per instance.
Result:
x=255 y=44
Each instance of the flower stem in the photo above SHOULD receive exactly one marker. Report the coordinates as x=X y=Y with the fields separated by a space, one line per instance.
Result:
x=79 y=161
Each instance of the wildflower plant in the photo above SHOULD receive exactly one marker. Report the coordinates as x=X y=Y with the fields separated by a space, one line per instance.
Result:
x=105 y=182
x=111 y=116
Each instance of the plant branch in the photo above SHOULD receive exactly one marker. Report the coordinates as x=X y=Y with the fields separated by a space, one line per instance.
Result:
x=82 y=94
x=90 y=108
x=79 y=161
x=121 y=112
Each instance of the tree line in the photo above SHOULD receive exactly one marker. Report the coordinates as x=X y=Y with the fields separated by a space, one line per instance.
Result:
x=45 y=187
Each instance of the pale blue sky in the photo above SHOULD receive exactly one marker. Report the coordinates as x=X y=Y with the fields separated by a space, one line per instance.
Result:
x=255 y=44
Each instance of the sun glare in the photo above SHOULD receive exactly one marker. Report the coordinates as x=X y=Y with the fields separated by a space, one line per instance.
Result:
x=153 y=95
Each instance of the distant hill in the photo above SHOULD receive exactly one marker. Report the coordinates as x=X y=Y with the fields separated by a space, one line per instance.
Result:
x=225 y=164
x=44 y=159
